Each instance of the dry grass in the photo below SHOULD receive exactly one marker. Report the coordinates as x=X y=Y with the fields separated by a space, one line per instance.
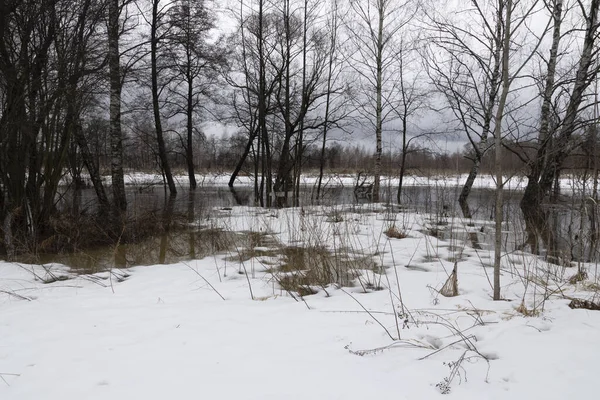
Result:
x=580 y=276
x=395 y=233
x=450 y=288
x=306 y=270
x=526 y=312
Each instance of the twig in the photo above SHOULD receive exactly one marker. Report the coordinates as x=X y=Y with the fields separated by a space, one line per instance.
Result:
x=18 y=296
x=205 y=280
x=355 y=312
x=442 y=348
x=112 y=288
x=396 y=344
x=2 y=374
x=390 y=292
x=370 y=314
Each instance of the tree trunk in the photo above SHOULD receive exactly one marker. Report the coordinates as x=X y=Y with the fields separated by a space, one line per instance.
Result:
x=116 y=135
x=262 y=111
x=535 y=217
x=189 y=150
x=300 y=141
x=93 y=170
x=498 y=146
x=481 y=147
x=403 y=159
x=378 y=106
x=324 y=141
x=242 y=160
x=283 y=180
x=162 y=151
x=553 y=151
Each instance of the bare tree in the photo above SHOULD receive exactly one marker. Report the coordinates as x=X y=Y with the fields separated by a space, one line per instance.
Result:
x=374 y=30
x=196 y=59
x=52 y=59
x=515 y=16
x=464 y=63
x=279 y=91
x=253 y=81
x=558 y=124
x=301 y=88
x=334 y=69
x=156 y=35
x=410 y=100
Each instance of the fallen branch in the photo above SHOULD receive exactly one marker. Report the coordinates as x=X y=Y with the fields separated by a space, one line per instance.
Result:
x=370 y=314
x=205 y=280
x=18 y=296
x=3 y=374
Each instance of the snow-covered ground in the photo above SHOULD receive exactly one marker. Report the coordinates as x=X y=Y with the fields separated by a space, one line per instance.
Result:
x=483 y=181
x=219 y=329
x=568 y=183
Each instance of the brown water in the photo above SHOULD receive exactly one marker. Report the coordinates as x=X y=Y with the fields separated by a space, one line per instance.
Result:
x=428 y=199
x=185 y=241
x=182 y=240
x=175 y=245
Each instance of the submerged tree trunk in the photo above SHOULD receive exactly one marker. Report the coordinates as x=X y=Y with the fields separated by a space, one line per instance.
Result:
x=498 y=148
x=189 y=150
x=93 y=170
x=378 y=106
x=466 y=189
x=482 y=146
x=116 y=135
x=162 y=151
x=242 y=160
x=535 y=217
x=283 y=180
x=464 y=195
x=300 y=141
x=402 y=160
x=552 y=151
x=262 y=114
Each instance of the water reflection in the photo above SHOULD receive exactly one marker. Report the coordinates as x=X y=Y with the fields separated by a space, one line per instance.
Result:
x=171 y=246
x=436 y=199
x=178 y=238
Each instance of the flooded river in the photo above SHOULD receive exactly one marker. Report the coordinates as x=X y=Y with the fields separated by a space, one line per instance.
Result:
x=186 y=238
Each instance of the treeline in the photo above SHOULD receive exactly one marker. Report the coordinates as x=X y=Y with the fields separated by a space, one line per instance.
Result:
x=221 y=153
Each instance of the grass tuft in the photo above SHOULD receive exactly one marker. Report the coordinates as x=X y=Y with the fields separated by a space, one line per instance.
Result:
x=395 y=233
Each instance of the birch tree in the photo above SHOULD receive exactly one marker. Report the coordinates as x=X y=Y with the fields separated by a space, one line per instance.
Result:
x=464 y=64
x=374 y=28
x=116 y=133
x=516 y=15
x=558 y=123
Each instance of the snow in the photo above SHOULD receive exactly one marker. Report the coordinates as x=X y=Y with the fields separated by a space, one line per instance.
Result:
x=222 y=179
x=568 y=183
x=164 y=331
